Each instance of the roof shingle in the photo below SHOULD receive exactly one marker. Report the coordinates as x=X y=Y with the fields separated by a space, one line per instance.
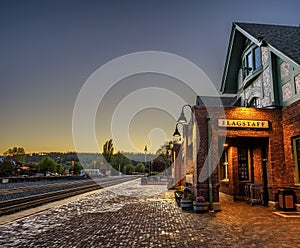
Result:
x=286 y=39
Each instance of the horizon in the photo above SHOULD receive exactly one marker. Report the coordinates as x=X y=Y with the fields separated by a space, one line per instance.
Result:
x=63 y=152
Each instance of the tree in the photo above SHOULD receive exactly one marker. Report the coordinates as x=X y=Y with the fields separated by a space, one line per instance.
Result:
x=108 y=150
x=76 y=167
x=17 y=154
x=47 y=164
x=7 y=167
x=59 y=168
x=140 y=168
x=119 y=160
x=163 y=159
x=129 y=169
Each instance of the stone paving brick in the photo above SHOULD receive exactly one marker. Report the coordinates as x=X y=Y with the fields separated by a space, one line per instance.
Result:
x=113 y=218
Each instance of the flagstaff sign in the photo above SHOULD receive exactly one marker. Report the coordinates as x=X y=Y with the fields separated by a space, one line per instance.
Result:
x=243 y=123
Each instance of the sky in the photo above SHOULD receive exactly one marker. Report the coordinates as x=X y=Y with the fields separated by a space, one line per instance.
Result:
x=51 y=49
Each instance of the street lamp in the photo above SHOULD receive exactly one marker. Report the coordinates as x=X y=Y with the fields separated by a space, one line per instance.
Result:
x=182 y=120
x=169 y=153
x=145 y=150
x=172 y=159
x=177 y=135
x=210 y=187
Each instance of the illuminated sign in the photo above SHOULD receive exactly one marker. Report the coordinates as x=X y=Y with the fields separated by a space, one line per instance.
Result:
x=243 y=123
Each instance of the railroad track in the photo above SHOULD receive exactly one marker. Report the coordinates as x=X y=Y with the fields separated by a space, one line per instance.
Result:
x=39 y=187
x=14 y=205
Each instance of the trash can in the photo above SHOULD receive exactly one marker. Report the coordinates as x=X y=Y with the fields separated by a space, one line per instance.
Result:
x=286 y=199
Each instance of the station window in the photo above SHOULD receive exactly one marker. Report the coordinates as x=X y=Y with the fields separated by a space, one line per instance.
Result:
x=296 y=148
x=224 y=166
x=243 y=165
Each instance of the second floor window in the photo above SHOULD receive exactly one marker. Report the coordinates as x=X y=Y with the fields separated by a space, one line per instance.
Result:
x=257 y=57
x=251 y=61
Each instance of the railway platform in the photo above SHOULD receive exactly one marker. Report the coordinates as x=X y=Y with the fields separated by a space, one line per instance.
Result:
x=135 y=215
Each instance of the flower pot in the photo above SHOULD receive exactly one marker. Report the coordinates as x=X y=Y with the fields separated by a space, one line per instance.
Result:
x=200 y=206
x=186 y=204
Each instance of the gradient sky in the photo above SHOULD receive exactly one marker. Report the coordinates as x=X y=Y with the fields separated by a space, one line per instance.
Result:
x=50 y=48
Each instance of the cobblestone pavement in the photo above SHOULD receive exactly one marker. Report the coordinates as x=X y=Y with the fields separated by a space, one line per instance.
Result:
x=114 y=218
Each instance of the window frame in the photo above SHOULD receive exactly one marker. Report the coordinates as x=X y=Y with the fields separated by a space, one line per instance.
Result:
x=296 y=157
x=247 y=71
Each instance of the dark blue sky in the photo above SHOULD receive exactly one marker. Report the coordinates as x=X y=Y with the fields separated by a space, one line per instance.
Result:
x=49 y=48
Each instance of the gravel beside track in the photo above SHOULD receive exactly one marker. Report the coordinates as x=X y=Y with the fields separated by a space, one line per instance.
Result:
x=10 y=191
x=24 y=189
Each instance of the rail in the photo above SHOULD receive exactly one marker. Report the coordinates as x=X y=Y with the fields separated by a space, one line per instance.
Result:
x=14 y=205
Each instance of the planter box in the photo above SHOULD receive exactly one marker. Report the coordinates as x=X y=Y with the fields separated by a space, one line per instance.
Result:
x=199 y=207
x=186 y=204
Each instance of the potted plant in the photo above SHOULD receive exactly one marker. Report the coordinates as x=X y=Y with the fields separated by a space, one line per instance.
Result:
x=200 y=204
x=187 y=201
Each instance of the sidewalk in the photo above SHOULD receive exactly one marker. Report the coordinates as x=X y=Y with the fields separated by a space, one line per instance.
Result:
x=107 y=219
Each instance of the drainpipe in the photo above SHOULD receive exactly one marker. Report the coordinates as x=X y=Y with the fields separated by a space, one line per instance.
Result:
x=208 y=118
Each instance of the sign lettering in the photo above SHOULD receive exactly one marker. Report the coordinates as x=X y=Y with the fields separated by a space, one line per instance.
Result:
x=243 y=123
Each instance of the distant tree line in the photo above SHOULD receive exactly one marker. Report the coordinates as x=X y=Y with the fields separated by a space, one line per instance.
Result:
x=17 y=162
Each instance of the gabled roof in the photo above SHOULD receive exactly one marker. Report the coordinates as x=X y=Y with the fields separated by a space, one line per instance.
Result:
x=285 y=39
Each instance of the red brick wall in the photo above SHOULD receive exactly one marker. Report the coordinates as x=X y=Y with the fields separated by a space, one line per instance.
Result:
x=276 y=158
x=291 y=128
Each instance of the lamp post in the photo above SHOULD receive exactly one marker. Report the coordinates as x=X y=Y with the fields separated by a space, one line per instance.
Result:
x=182 y=120
x=177 y=134
x=171 y=158
x=210 y=189
x=169 y=154
x=145 y=150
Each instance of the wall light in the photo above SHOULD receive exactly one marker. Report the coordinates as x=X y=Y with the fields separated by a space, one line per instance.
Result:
x=182 y=119
x=176 y=132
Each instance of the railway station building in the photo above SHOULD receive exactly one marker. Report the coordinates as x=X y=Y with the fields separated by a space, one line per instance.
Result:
x=253 y=135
